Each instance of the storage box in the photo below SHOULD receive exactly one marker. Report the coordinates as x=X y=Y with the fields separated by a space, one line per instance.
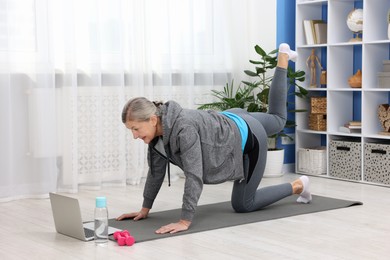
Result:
x=386 y=65
x=317 y=122
x=312 y=160
x=384 y=79
x=318 y=105
x=377 y=163
x=345 y=159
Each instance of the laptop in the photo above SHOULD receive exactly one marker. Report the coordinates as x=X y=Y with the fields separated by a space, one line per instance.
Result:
x=68 y=221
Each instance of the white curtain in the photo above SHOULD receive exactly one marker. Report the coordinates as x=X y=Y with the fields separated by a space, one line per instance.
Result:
x=68 y=66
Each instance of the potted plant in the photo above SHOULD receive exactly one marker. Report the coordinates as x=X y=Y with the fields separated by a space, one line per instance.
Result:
x=253 y=96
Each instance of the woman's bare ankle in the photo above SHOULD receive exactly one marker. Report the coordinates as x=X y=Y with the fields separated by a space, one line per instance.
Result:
x=297 y=186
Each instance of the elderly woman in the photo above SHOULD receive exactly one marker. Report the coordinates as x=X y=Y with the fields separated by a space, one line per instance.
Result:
x=212 y=147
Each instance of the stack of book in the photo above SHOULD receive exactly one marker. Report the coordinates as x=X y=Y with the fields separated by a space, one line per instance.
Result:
x=315 y=31
x=354 y=127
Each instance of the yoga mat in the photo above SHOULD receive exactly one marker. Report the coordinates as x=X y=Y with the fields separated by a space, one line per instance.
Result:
x=221 y=215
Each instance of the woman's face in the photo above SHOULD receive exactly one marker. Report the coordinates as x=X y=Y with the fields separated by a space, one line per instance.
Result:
x=145 y=130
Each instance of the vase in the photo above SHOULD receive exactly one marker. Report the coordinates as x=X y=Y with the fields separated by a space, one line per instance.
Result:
x=355 y=81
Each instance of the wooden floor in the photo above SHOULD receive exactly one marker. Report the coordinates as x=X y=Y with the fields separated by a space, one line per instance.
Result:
x=360 y=232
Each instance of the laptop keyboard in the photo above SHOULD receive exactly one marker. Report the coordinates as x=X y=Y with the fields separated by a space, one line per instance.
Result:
x=89 y=232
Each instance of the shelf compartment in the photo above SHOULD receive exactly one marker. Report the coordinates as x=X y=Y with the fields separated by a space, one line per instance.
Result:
x=373 y=56
x=343 y=62
x=371 y=101
x=313 y=10
x=308 y=140
x=337 y=20
x=343 y=107
x=304 y=64
x=302 y=119
x=375 y=17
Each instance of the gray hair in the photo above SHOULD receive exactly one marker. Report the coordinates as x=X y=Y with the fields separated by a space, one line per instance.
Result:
x=140 y=109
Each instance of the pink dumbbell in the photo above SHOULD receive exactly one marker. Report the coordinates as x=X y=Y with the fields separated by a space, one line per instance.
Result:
x=117 y=234
x=124 y=238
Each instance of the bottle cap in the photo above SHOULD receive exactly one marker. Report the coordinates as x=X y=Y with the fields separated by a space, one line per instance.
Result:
x=100 y=202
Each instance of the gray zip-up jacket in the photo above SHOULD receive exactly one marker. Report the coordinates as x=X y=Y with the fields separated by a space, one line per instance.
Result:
x=206 y=145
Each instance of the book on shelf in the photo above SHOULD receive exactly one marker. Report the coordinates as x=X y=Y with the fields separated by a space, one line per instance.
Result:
x=353 y=126
x=308 y=32
x=315 y=31
x=355 y=123
x=321 y=30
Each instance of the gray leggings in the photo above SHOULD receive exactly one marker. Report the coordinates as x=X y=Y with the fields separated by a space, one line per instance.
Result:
x=246 y=196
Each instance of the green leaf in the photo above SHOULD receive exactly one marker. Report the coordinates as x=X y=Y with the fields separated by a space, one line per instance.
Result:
x=256 y=62
x=252 y=85
x=260 y=70
x=260 y=51
x=250 y=73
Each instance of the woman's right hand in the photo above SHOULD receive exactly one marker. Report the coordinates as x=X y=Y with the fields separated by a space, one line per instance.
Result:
x=143 y=213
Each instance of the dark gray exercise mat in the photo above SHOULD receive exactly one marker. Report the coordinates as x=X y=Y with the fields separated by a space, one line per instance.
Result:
x=220 y=215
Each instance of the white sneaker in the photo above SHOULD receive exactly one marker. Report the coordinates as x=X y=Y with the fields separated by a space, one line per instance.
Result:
x=285 y=48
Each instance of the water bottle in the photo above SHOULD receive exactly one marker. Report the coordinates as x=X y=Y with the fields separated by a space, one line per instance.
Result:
x=101 y=221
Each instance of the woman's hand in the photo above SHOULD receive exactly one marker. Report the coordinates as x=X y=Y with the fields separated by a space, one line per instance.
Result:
x=143 y=213
x=172 y=228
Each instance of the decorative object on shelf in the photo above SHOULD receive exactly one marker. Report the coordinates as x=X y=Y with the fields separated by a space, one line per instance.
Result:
x=386 y=65
x=384 y=76
x=352 y=127
x=355 y=24
x=317 y=116
x=311 y=63
x=384 y=118
x=323 y=79
x=318 y=105
x=312 y=160
x=355 y=81
x=317 y=122
x=388 y=24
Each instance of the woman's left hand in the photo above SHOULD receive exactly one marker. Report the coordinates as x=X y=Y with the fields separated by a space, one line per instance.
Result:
x=172 y=228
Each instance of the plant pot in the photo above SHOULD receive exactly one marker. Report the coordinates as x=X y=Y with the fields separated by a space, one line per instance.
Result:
x=274 y=164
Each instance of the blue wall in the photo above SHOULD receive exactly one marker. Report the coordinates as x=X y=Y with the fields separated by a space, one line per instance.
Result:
x=285 y=32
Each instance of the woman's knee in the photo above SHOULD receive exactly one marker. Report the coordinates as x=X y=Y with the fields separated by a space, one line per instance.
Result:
x=241 y=206
x=280 y=122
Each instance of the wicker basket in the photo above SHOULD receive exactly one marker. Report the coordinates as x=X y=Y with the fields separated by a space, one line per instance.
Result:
x=318 y=105
x=312 y=160
x=317 y=122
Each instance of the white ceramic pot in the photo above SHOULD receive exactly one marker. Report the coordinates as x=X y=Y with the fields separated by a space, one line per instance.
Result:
x=274 y=164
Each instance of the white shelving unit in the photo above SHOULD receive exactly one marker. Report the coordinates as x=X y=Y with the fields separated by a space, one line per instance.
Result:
x=342 y=59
